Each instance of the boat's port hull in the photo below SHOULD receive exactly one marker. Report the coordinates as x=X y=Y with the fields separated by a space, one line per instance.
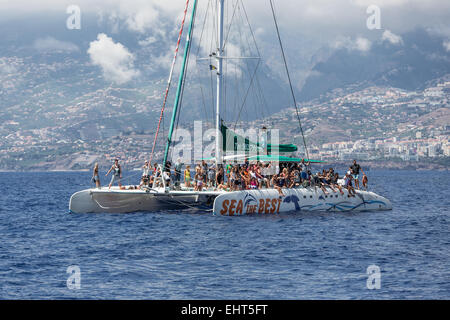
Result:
x=269 y=201
x=124 y=201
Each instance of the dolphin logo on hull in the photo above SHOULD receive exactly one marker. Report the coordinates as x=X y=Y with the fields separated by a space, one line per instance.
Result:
x=294 y=199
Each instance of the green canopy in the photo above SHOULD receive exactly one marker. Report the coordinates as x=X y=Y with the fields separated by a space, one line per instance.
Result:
x=283 y=147
x=280 y=159
x=234 y=142
x=268 y=158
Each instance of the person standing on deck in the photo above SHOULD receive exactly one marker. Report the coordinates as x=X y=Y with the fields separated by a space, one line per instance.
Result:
x=204 y=167
x=117 y=173
x=95 y=177
x=355 y=173
x=145 y=174
x=211 y=176
x=177 y=172
x=187 y=177
x=263 y=140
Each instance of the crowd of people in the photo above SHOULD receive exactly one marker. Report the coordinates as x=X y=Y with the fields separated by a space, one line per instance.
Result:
x=248 y=176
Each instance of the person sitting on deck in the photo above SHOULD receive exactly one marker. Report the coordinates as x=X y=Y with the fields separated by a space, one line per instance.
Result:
x=259 y=176
x=304 y=176
x=245 y=178
x=253 y=183
x=228 y=168
x=198 y=178
x=327 y=179
x=296 y=180
x=334 y=180
x=317 y=181
x=278 y=182
x=220 y=185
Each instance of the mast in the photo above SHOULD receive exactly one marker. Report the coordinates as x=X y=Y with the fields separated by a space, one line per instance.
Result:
x=180 y=84
x=219 y=57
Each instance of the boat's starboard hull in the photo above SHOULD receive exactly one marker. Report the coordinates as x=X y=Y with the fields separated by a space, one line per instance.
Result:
x=269 y=201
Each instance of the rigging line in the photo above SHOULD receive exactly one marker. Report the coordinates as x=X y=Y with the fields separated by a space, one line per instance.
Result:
x=203 y=28
x=204 y=104
x=251 y=80
x=253 y=89
x=246 y=94
x=170 y=78
x=265 y=106
x=229 y=26
x=262 y=97
x=289 y=77
x=251 y=29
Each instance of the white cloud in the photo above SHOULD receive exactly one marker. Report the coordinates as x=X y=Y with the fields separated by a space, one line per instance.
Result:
x=148 y=41
x=140 y=20
x=49 y=44
x=360 y=43
x=382 y=3
x=446 y=45
x=391 y=37
x=114 y=59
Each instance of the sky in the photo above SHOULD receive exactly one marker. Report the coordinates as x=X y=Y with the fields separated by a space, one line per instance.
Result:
x=312 y=16
x=314 y=24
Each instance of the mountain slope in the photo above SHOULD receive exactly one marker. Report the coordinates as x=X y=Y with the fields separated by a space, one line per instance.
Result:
x=408 y=65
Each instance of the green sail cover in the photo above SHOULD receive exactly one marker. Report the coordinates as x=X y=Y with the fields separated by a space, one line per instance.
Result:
x=283 y=147
x=280 y=159
x=236 y=143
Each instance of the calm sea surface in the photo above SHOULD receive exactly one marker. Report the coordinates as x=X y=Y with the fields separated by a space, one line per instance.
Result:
x=186 y=255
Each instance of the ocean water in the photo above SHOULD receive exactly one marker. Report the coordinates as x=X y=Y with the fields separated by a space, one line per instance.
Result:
x=187 y=255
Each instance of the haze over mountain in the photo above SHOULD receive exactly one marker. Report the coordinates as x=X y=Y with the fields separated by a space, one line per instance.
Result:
x=407 y=62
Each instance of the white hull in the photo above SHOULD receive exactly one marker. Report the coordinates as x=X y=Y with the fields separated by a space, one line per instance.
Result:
x=124 y=201
x=266 y=201
x=269 y=201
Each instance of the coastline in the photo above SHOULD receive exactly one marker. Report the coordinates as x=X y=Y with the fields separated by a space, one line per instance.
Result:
x=395 y=165
x=422 y=165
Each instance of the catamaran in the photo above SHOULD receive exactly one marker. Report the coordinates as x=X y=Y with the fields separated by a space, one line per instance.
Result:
x=221 y=202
